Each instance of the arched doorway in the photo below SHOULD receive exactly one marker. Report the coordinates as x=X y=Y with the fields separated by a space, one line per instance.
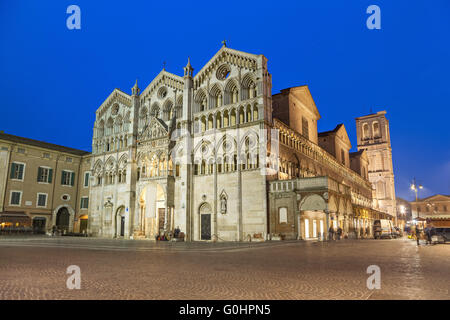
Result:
x=120 y=222
x=205 y=221
x=153 y=218
x=62 y=219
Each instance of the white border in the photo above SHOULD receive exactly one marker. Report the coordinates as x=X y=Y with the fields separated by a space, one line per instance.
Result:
x=37 y=200
x=24 y=167
x=20 y=199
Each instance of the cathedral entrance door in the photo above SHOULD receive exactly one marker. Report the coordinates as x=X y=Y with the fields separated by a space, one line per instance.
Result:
x=162 y=218
x=206 y=226
x=122 y=226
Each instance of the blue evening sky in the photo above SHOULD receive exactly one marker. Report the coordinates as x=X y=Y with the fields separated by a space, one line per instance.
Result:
x=53 y=79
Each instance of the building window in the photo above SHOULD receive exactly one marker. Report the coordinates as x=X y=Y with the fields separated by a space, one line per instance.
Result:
x=16 y=197
x=376 y=130
x=84 y=202
x=20 y=150
x=343 y=156
x=46 y=155
x=67 y=178
x=305 y=129
x=69 y=159
x=41 y=200
x=86 y=179
x=17 y=171
x=282 y=212
x=365 y=131
x=44 y=175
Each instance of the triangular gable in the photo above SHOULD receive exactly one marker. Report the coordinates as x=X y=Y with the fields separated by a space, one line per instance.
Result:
x=117 y=95
x=163 y=78
x=225 y=54
x=437 y=197
x=154 y=130
x=342 y=133
x=304 y=96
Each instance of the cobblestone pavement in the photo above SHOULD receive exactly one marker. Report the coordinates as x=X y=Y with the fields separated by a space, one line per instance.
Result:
x=35 y=268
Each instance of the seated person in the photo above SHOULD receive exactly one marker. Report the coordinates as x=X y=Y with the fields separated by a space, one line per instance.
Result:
x=176 y=232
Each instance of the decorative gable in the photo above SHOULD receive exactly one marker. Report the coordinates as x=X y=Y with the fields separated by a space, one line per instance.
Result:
x=156 y=129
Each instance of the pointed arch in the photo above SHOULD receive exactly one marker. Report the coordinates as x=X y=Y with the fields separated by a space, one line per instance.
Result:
x=179 y=107
x=248 y=87
x=216 y=96
x=168 y=110
x=154 y=110
x=231 y=92
x=200 y=101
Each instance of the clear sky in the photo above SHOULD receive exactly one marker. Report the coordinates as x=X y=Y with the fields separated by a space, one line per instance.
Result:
x=52 y=79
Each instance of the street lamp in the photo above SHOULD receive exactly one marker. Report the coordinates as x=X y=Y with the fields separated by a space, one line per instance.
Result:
x=416 y=188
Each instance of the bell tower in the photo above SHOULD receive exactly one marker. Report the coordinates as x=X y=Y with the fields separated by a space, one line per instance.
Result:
x=374 y=137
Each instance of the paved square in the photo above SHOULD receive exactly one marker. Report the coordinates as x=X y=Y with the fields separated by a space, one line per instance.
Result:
x=35 y=268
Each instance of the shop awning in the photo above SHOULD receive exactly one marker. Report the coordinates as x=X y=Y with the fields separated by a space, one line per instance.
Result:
x=15 y=217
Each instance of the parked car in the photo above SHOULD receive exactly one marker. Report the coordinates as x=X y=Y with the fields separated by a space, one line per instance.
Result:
x=383 y=228
x=441 y=235
x=396 y=232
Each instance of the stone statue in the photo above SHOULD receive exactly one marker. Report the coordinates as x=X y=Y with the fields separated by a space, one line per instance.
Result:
x=223 y=205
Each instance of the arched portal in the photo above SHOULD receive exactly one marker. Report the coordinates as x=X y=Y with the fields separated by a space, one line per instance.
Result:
x=63 y=219
x=205 y=221
x=120 y=222
x=153 y=218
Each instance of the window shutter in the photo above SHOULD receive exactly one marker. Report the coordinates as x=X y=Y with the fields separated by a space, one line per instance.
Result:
x=72 y=179
x=20 y=171
x=39 y=174
x=50 y=173
x=13 y=168
x=87 y=203
x=63 y=177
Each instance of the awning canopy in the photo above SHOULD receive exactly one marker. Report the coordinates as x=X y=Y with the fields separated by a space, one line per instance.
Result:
x=15 y=217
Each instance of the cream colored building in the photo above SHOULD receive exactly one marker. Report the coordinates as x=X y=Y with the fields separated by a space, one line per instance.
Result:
x=434 y=210
x=42 y=185
x=185 y=152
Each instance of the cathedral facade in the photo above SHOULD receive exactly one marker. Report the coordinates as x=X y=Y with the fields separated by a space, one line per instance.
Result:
x=185 y=153
x=217 y=156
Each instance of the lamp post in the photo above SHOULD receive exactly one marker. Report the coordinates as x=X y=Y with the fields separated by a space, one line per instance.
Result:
x=416 y=189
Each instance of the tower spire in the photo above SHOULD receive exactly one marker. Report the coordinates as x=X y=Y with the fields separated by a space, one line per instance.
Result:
x=188 y=70
x=135 y=90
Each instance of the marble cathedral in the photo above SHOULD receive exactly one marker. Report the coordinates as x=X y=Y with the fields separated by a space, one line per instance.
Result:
x=217 y=156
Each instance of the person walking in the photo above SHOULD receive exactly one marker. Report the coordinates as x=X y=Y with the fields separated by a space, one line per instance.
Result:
x=428 y=233
x=418 y=235
x=339 y=233
x=331 y=233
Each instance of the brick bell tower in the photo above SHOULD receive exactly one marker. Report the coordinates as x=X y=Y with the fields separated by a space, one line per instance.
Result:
x=374 y=137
